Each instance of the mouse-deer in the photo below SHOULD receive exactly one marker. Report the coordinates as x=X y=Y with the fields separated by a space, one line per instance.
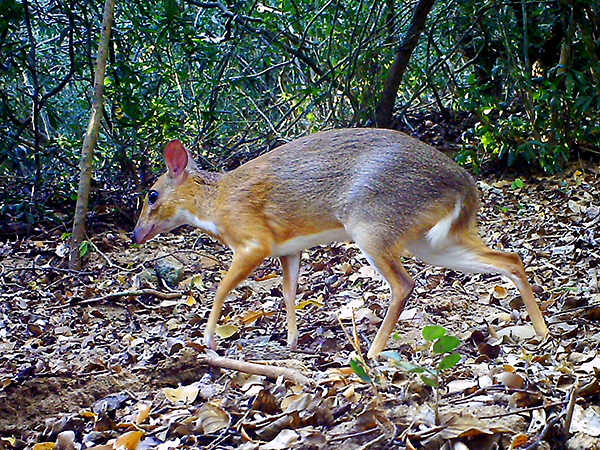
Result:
x=382 y=189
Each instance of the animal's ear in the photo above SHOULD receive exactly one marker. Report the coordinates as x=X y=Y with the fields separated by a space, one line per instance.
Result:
x=176 y=157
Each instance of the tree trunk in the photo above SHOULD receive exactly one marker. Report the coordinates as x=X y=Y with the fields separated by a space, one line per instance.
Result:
x=91 y=136
x=385 y=108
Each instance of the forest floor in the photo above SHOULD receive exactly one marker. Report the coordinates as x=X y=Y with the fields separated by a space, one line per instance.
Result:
x=85 y=362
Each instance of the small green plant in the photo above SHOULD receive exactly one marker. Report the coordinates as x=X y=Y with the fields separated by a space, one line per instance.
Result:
x=442 y=347
x=360 y=368
x=85 y=248
x=518 y=184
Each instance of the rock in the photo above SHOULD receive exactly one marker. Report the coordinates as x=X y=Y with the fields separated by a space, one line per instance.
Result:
x=170 y=270
x=145 y=279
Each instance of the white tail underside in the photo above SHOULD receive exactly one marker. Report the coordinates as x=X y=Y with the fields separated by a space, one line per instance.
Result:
x=438 y=234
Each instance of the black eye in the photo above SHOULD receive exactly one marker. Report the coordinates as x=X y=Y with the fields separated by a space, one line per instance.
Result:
x=152 y=197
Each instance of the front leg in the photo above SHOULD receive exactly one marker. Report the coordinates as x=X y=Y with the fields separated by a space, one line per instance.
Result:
x=245 y=260
x=291 y=268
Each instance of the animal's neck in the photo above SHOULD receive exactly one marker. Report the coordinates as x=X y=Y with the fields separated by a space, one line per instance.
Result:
x=200 y=209
x=211 y=178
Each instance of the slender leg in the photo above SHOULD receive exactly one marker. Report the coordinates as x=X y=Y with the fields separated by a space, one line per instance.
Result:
x=291 y=268
x=468 y=253
x=401 y=285
x=511 y=266
x=244 y=262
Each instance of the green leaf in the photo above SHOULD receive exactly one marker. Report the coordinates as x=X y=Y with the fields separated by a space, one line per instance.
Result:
x=84 y=248
x=487 y=139
x=429 y=381
x=517 y=184
x=433 y=332
x=449 y=361
x=397 y=360
x=446 y=344
x=392 y=354
x=410 y=367
x=359 y=369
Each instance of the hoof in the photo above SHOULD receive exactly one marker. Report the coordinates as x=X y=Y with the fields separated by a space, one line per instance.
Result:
x=292 y=342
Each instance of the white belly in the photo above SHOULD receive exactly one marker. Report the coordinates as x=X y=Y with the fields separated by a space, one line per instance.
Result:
x=295 y=245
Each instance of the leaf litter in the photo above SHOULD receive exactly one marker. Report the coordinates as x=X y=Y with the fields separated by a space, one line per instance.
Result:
x=129 y=370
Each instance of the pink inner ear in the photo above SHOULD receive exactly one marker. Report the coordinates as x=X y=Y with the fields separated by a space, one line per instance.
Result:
x=176 y=157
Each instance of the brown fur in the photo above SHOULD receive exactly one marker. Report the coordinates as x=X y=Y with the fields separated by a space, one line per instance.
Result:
x=384 y=188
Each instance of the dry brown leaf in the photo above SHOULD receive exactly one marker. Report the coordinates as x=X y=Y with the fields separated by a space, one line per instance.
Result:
x=467 y=425
x=269 y=276
x=226 y=331
x=128 y=441
x=44 y=446
x=284 y=440
x=65 y=440
x=519 y=332
x=511 y=380
x=212 y=418
x=500 y=292
x=296 y=402
x=143 y=413
x=519 y=440
x=185 y=394
x=253 y=316
x=310 y=302
x=266 y=402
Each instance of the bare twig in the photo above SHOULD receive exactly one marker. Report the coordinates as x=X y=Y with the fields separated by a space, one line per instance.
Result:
x=520 y=411
x=106 y=258
x=51 y=269
x=373 y=442
x=342 y=437
x=570 y=408
x=212 y=359
x=134 y=292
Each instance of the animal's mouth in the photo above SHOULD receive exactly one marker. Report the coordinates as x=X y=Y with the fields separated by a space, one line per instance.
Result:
x=141 y=235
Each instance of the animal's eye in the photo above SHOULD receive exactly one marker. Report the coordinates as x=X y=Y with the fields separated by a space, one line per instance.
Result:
x=152 y=197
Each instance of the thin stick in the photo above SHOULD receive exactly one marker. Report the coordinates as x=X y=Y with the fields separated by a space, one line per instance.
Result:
x=483 y=390
x=533 y=408
x=212 y=359
x=341 y=437
x=51 y=269
x=106 y=258
x=571 y=407
x=369 y=444
x=154 y=292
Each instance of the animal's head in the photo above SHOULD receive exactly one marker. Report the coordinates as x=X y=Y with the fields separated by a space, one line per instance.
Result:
x=172 y=201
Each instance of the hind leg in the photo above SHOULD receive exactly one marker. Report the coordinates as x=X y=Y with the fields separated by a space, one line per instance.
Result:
x=468 y=253
x=291 y=268
x=401 y=285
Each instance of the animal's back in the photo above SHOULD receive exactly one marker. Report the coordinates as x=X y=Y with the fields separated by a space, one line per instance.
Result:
x=370 y=175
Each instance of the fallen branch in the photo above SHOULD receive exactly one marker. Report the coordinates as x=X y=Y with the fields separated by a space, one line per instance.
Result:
x=34 y=268
x=212 y=359
x=135 y=292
